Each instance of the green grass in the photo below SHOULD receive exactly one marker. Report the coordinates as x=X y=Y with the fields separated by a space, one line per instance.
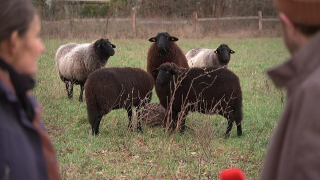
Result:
x=199 y=153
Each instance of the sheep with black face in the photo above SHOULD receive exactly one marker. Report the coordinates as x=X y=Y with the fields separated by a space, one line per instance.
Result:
x=164 y=49
x=76 y=61
x=212 y=90
x=202 y=57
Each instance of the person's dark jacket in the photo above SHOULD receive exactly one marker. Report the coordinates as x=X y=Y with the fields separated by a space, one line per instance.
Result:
x=26 y=151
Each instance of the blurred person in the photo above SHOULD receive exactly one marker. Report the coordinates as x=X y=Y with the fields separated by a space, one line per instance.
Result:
x=294 y=149
x=25 y=148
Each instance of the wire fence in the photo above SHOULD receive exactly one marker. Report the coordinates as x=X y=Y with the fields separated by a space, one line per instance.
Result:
x=250 y=26
x=145 y=18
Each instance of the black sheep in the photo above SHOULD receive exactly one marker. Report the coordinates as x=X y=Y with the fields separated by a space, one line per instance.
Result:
x=164 y=49
x=116 y=88
x=206 y=90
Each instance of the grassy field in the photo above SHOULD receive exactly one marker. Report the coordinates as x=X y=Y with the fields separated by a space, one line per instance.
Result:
x=200 y=153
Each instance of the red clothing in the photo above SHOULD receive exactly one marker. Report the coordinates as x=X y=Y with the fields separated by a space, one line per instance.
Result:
x=294 y=150
x=25 y=148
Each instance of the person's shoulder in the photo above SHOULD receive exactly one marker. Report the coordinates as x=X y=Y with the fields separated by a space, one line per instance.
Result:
x=7 y=115
x=309 y=89
x=312 y=83
x=32 y=98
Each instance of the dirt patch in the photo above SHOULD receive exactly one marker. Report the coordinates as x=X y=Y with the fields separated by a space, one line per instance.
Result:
x=53 y=130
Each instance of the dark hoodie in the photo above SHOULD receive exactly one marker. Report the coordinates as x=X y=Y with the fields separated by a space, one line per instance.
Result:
x=25 y=148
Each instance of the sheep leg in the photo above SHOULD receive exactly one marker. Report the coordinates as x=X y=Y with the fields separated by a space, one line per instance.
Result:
x=67 y=86
x=174 y=120
x=70 y=92
x=183 y=126
x=237 y=119
x=81 y=92
x=138 y=120
x=239 y=127
x=230 y=123
x=183 y=118
x=129 y=110
x=96 y=124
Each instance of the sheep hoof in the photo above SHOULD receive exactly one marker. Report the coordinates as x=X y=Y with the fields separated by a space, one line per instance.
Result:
x=131 y=129
x=139 y=130
x=168 y=130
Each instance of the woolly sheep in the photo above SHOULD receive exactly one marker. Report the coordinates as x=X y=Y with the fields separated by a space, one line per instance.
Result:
x=116 y=88
x=164 y=49
x=206 y=90
x=202 y=57
x=76 y=61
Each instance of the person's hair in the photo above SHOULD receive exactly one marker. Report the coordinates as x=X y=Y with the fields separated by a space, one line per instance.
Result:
x=306 y=29
x=15 y=15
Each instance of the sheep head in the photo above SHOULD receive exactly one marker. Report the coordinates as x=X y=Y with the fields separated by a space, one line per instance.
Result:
x=166 y=73
x=104 y=48
x=163 y=42
x=223 y=52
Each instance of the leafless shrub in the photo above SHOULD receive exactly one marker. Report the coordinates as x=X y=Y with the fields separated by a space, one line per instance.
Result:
x=153 y=115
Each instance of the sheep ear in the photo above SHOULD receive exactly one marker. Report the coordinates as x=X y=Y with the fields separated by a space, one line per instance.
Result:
x=174 y=72
x=173 y=38
x=156 y=70
x=232 y=52
x=113 y=46
x=154 y=39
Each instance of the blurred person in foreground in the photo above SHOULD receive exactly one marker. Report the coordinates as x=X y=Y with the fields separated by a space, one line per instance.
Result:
x=25 y=148
x=294 y=149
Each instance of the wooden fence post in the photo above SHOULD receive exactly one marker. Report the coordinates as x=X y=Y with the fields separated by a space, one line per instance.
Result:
x=260 y=20
x=66 y=8
x=106 y=27
x=217 y=13
x=134 y=24
x=195 y=21
x=71 y=26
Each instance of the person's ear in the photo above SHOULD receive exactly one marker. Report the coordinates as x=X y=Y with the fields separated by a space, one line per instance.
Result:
x=288 y=26
x=13 y=42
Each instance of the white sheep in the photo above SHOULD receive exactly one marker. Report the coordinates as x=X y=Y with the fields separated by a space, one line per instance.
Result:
x=76 y=61
x=202 y=57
